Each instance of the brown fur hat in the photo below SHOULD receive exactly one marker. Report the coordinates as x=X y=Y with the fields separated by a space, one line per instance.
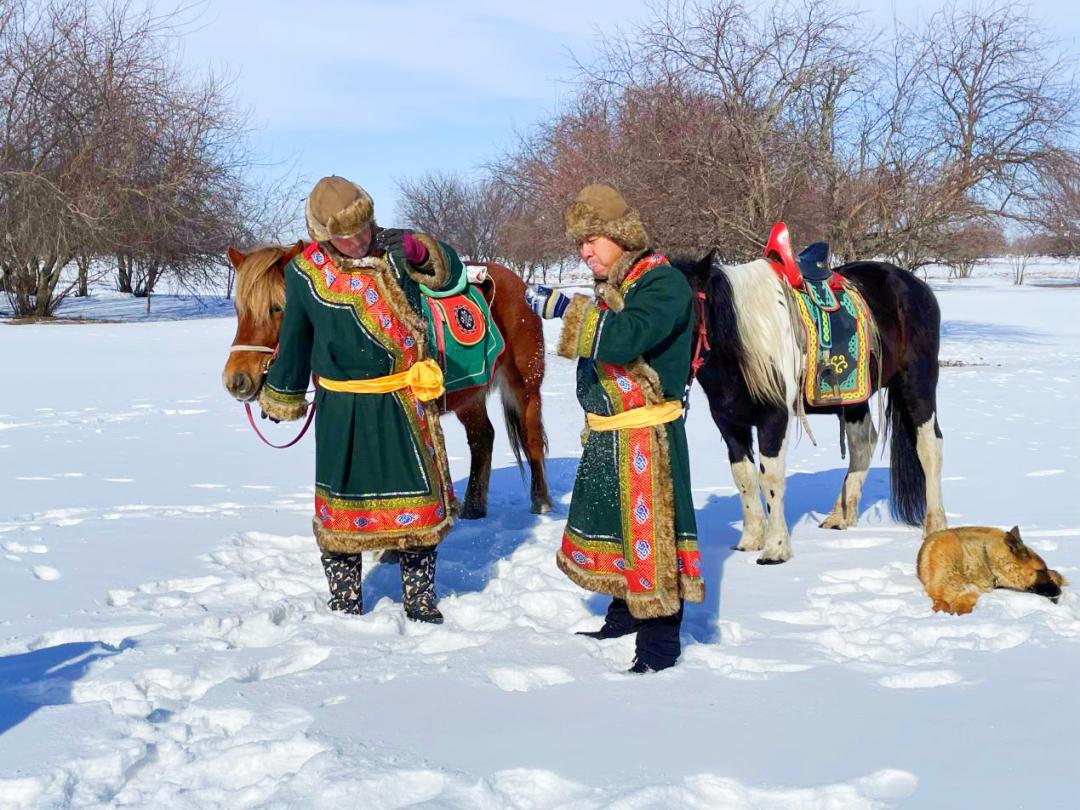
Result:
x=338 y=208
x=599 y=210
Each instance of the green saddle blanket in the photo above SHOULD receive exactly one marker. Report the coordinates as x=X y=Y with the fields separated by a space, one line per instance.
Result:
x=837 y=327
x=463 y=337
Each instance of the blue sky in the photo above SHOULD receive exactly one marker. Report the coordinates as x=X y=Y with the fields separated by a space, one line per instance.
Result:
x=376 y=90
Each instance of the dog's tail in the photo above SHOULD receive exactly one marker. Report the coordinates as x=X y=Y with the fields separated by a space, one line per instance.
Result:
x=908 y=480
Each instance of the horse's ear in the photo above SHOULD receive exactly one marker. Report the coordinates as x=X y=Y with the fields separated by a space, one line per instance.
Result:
x=703 y=268
x=290 y=253
x=235 y=257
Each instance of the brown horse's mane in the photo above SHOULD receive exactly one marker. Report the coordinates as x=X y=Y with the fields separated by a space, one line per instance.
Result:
x=258 y=283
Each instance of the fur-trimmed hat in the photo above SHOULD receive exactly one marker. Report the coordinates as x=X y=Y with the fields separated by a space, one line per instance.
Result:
x=599 y=210
x=338 y=208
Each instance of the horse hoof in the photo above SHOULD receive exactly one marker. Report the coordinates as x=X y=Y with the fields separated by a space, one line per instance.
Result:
x=839 y=525
x=542 y=506
x=768 y=561
x=745 y=548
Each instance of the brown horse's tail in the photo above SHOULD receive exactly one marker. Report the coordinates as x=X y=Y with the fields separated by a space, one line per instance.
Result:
x=515 y=428
x=521 y=367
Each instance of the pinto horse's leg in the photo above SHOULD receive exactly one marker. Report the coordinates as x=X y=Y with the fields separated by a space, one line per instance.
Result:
x=929 y=446
x=481 y=436
x=861 y=438
x=740 y=445
x=918 y=390
x=772 y=451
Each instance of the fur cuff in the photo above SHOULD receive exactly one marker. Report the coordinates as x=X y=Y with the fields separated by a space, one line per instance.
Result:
x=286 y=407
x=580 y=313
x=404 y=540
x=692 y=589
x=435 y=271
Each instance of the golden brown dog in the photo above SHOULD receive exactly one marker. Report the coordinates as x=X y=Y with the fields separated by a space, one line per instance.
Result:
x=956 y=565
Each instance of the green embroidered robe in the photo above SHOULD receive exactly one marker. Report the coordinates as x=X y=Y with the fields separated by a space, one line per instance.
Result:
x=631 y=531
x=381 y=475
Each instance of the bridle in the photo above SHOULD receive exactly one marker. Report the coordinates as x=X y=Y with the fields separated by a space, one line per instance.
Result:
x=271 y=353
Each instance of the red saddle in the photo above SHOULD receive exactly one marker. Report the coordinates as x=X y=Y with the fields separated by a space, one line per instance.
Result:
x=782 y=258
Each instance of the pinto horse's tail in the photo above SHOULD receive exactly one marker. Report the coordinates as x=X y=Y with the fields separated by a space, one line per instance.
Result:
x=907 y=479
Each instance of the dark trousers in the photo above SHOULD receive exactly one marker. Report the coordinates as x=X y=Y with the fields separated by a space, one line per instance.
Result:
x=657 y=642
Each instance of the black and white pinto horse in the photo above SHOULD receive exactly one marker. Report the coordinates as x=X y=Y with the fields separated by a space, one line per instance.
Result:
x=752 y=375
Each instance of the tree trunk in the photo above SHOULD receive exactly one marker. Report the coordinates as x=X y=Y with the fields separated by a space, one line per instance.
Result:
x=84 y=277
x=123 y=273
x=48 y=276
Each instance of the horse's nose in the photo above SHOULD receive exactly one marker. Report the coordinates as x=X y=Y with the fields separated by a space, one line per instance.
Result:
x=240 y=385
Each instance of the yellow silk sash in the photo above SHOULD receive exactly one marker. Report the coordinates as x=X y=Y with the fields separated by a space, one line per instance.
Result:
x=646 y=416
x=424 y=378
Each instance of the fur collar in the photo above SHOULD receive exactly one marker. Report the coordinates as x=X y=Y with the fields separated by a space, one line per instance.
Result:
x=609 y=290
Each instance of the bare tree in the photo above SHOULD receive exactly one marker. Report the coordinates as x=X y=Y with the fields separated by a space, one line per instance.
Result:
x=469 y=215
x=108 y=149
x=719 y=118
x=966 y=247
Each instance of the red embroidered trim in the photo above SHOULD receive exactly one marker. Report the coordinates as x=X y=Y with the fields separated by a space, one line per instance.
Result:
x=360 y=289
x=640 y=268
x=363 y=521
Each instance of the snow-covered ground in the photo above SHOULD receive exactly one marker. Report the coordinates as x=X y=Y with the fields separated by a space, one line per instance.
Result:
x=164 y=640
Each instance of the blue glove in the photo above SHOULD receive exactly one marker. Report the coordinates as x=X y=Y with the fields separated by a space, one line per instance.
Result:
x=546 y=302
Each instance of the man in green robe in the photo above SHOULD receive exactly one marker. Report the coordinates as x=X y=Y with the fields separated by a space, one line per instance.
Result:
x=353 y=318
x=631 y=531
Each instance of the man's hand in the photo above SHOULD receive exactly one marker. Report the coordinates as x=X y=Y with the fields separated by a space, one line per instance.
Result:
x=546 y=302
x=403 y=242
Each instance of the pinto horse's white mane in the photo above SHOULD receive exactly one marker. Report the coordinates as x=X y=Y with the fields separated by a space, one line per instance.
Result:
x=771 y=356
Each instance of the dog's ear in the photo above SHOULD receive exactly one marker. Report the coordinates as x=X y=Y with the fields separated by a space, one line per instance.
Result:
x=1013 y=541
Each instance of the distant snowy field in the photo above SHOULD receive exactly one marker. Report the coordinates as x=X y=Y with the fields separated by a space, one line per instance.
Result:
x=164 y=641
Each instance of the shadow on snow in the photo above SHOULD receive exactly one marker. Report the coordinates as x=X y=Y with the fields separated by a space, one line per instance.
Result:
x=44 y=677
x=468 y=556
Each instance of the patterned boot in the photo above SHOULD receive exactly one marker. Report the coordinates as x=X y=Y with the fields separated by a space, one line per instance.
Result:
x=343 y=576
x=418 y=586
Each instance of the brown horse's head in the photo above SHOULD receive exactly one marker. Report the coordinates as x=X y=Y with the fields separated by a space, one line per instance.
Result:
x=260 y=304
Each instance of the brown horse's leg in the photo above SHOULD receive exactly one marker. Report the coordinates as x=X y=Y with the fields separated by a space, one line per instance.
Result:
x=472 y=413
x=524 y=423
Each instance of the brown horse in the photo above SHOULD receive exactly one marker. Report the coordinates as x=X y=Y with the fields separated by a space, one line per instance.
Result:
x=260 y=304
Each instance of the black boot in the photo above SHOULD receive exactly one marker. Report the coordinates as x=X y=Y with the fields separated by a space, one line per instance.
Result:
x=618 y=622
x=658 y=646
x=418 y=586
x=343 y=576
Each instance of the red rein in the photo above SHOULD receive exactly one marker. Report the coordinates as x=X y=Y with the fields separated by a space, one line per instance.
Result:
x=303 y=430
x=701 y=344
x=272 y=351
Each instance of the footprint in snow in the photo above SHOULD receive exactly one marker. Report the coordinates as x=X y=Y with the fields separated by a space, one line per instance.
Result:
x=856 y=542
x=928 y=679
x=510 y=679
x=46 y=573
